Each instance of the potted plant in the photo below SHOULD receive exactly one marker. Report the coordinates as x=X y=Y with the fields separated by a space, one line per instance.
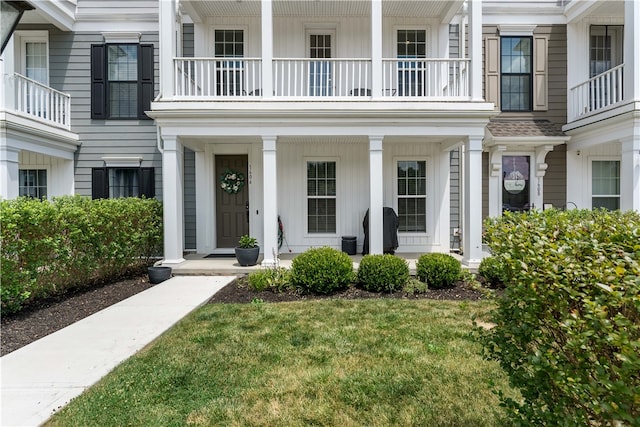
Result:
x=247 y=251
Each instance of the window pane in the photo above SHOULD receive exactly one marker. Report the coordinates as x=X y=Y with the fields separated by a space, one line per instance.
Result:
x=516 y=70
x=123 y=100
x=605 y=177
x=123 y=183
x=32 y=183
x=321 y=192
x=412 y=196
x=123 y=62
x=611 y=203
x=36 y=61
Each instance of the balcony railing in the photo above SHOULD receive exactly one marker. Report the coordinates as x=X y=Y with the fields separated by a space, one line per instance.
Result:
x=597 y=93
x=42 y=102
x=346 y=78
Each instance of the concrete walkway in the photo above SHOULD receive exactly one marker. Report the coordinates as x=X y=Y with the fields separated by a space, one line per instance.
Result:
x=45 y=375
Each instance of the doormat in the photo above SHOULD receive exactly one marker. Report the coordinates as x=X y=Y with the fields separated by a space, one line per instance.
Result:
x=221 y=256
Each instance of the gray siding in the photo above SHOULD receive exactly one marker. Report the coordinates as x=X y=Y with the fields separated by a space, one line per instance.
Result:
x=70 y=69
x=189 y=199
x=555 y=180
x=454 y=162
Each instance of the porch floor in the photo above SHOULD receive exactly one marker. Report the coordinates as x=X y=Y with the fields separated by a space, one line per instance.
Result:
x=198 y=264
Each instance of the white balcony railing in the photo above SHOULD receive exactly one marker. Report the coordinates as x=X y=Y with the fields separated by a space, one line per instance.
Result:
x=42 y=102
x=430 y=78
x=216 y=77
x=436 y=79
x=597 y=93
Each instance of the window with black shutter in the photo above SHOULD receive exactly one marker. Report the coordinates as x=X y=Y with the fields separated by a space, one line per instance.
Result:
x=112 y=183
x=121 y=81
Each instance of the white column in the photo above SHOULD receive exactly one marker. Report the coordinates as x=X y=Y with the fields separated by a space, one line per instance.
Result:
x=172 y=200
x=632 y=50
x=376 y=48
x=168 y=48
x=630 y=173
x=8 y=171
x=375 y=195
x=270 y=203
x=267 y=49
x=495 y=182
x=472 y=231
x=475 y=48
x=540 y=171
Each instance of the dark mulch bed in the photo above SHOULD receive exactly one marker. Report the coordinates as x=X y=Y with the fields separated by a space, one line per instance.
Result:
x=50 y=316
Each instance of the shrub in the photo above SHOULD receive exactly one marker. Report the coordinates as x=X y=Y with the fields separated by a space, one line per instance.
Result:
x=492 y=270
x=48 y=247
x=321 y=270
x=276 y=279
x=382 y=273
x=568 y=326
x=415 y=286
x=438 y=270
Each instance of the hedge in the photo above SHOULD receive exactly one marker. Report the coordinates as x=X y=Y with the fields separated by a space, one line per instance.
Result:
x=49 y=247
x=568 y=324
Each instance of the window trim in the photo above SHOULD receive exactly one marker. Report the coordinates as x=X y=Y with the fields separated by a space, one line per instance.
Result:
x=306 y=196
x=591 y=159
x=33 y=37
x=531 y=74
x=428 y=189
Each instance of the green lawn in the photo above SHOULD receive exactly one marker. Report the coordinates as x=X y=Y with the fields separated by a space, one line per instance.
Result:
x=333 y=362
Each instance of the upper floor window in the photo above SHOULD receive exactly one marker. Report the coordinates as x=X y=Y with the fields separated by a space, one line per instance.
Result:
x=516 y=73
x=121 y=81
x=605 y=48
x=321 y=197
x=33 y=183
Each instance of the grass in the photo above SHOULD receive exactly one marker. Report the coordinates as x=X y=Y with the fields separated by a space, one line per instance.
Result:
x=332 y=362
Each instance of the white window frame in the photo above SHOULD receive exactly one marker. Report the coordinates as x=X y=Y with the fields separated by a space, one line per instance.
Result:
x=591 y=159
x=306 y=196
x=532 y=175
x=38 y=168
x=32 y=37
x=429 y=209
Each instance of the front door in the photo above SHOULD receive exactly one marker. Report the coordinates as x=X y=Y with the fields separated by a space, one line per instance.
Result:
x=232 y=201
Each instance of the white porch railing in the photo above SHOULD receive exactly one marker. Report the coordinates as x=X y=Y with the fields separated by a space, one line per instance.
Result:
x=217 y=77
x=430 y=78
x=347 y=78
x=42 y=102
x=321 y=77
x=596 y=93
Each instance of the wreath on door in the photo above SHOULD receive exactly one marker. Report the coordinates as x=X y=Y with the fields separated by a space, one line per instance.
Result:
x=232 y=181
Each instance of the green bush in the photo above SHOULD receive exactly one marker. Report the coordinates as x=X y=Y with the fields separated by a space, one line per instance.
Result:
x=48 y=247
x=438 y=270
x=415 y=286
x=492 y=270
x=382 y=273
x=276 y=279
x=568 y=325
x=322 y=270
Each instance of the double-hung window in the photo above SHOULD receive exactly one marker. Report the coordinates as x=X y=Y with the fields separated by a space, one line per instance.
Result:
x=33 y=183
x=321 y=197
x=411 y=74
x=115 y=182
x=412 y=195
x=121 y=81
x=516 y=73
x=605 y=184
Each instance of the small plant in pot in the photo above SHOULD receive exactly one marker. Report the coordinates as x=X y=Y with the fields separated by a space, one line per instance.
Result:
x=247 y=251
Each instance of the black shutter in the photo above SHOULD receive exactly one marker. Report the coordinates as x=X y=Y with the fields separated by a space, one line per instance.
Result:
x=99 y=189
x=145 y=85
x=98 y=82
x=147 y=183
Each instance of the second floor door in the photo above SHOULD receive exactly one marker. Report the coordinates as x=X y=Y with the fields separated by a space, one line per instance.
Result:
x=320 y=70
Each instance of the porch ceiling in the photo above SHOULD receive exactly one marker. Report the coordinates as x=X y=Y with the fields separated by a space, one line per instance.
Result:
x=434 y=8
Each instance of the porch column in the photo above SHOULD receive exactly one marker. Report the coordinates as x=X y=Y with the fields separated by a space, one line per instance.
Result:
x=270 y=201
x=376 y=48
x=375 y=195
x=475 y=48
x=631 y=50
x=167 y=49
x=267 y=49
x=472 y=231
x=8 y=171
x=495 y=185
x=172 y=200
x=630 y=172
x=541 y=170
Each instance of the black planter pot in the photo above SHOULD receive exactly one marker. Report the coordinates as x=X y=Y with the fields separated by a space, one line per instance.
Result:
x=247 y=256
x=158 y=274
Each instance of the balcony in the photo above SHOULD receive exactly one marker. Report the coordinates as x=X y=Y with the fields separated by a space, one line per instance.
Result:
x=597 y=94
x=40 y=102
x=322 y=80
